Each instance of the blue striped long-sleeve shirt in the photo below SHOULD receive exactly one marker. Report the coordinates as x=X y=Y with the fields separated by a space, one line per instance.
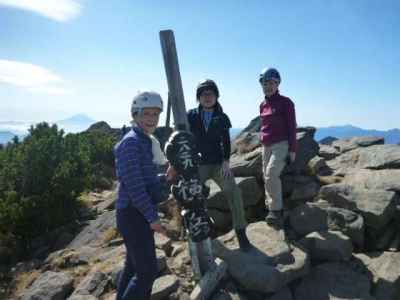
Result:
x=136 y=172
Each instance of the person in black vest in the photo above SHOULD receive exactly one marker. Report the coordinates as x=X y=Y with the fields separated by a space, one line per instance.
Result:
x=210 y=126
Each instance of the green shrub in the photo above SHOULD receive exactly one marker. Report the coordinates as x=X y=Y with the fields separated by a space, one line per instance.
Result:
x=42 y=176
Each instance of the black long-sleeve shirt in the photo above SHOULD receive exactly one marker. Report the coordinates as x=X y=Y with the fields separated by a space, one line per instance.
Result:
x=214 y=144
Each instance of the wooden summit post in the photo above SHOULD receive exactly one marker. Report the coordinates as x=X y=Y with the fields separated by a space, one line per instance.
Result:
x=208 y=271
x=176 y=98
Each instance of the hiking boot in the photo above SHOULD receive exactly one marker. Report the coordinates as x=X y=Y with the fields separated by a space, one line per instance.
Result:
x=274 y=219
x=244 y=243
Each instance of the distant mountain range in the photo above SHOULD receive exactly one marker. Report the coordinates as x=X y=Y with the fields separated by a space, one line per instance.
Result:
x=81 y=122
x=76 y=123
x=391 y=136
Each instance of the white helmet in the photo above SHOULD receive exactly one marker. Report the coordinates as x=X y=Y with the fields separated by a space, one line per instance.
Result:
x=146 y=99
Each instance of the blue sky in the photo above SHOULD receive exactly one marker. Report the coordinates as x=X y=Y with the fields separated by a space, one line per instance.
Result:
x=339 y=60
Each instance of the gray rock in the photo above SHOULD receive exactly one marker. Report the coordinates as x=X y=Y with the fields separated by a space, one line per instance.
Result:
x=344 y=163
x=296 y=187
x=376 y=206
x=383 y=241
x=94 y=231
x=307 y=149
x=49 y=286
x=227 y=295
x=247 y=142
x=283 y=294
x=164 y=286
x=380 y=157
x=222 y=219
x=328 y=246
x=327 y=140
x=109 y=253
x=320 y=216
x=107 y=200
x=161 y=260
x=303 y=192
x=349 y=223
x=250 y=164
x=385 y=270
x=373 y=157
x=251 y=194
x=229 y=291
x=253 y=127
x=247 y=165
x=162 y=242
x=375 y=179
x=82 y=297
x=316 y=164
x=328 y=152
x=269 y=266
x=64 y=239
x=308 y=218
x=347 y=144
x=94 y=284
x=334 y=281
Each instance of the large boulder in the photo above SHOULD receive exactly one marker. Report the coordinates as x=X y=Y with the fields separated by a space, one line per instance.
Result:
x=375 y=179
x=164 y=286
x=253 y=127
x=328 y=152
x=316 y=165
x=69 y=258
x=343 y=163
x=385 y=271
x=334 y=281
x=319 y=216
x=82 y=297
x=222 y=219
x=347 y=144
x=95 y=284
x=247 y=142
x=373 y=157
x=327 y=140
x=283 y=294
x=251 y=194
x=268 y=266
x=93 y=233
x=304 y=191
x=380 y=157
x=328 y=246
x=49 y=286
x=247 y=164
x=307 y=149
x=376 y=206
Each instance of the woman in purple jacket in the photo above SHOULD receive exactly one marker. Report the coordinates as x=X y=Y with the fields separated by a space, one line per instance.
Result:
x=278 y=136
x=139 y=192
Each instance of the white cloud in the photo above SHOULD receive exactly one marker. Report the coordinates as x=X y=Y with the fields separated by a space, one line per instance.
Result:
x=31 y=77
x=59 y=10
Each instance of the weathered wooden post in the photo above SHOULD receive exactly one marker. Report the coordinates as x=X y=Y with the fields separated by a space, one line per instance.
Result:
x=189 y=193
x=167 y=121
x=174 y=79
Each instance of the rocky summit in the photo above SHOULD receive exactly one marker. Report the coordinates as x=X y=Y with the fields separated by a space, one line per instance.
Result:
x=342 y=224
